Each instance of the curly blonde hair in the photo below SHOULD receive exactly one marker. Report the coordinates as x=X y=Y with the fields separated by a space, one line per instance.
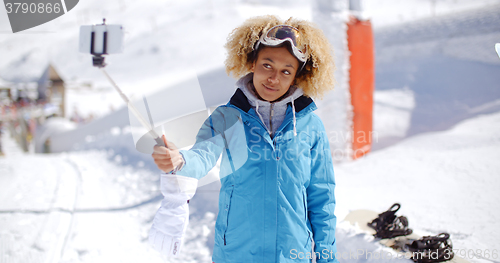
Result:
x=315 y=79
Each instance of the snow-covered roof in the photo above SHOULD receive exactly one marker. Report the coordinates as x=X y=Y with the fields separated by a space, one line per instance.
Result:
x=4 y=83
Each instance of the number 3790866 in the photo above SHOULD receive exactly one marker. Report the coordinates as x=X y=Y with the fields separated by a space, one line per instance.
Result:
x=40 y=8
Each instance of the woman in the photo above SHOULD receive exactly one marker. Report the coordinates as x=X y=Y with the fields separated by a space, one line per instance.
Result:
x=277 y=191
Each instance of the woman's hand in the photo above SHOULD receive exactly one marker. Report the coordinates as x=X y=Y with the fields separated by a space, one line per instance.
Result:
x=167 y=158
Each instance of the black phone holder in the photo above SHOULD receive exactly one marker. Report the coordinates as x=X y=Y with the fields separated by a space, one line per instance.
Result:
x=97 y=58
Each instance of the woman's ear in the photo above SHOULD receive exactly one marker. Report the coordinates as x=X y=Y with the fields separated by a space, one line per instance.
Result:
x=254 y=60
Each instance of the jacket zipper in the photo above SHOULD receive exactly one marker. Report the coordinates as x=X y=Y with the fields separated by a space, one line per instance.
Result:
x=228 y=206
x=259 y=121
x=253 y=117
x=271 y=119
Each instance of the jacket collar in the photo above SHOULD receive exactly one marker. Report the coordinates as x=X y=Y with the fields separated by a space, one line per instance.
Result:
x=240 y=100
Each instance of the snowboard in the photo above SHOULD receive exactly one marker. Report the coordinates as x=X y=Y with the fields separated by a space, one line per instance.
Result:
x=361 y=218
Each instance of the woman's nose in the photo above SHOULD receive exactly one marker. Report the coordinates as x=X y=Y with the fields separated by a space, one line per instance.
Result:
x=273 y=78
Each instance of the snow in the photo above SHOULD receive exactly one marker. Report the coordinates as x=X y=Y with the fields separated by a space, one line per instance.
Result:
x=335 y=108
x=394 y=108
x=446 y=182
x=388 y=12
x=443 y=180
x=437 y=122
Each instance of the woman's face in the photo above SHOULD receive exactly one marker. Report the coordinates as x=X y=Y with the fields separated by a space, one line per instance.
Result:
x=274 y=72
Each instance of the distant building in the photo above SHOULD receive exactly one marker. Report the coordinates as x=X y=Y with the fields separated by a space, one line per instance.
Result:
x=5 y=99
x=51 y=89
x=5 y=94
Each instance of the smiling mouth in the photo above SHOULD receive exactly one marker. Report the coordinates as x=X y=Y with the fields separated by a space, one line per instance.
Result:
x=268 y=88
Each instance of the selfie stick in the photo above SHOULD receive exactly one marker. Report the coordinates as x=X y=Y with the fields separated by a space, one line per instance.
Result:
x=98 y=61
x=134 y=110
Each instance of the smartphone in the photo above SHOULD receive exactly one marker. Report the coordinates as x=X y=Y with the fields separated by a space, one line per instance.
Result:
x=101 y=39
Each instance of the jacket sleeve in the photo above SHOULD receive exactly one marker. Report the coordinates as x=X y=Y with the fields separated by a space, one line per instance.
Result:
x=321 y=198
x=202 y=157
x=221 y=129
x=170 y=222
x=223 y=132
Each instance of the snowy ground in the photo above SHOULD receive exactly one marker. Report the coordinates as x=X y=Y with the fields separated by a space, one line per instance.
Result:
x=437 y=116
x=446 y=182
x=97 y=206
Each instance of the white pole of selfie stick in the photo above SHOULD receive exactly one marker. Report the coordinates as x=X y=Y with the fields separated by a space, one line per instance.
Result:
x=97 y=36
x=134 y=110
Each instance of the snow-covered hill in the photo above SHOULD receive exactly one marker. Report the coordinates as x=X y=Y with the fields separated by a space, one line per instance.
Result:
x=165 y=41
x=442 y=70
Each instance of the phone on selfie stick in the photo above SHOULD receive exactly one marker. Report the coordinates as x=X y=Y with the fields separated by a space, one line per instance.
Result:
x=103 y=39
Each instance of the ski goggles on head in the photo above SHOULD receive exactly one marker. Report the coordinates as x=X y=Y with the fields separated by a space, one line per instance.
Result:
x=277 y=35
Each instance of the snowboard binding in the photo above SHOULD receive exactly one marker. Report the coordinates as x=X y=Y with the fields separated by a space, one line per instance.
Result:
x=388 y=225
x=430 y=249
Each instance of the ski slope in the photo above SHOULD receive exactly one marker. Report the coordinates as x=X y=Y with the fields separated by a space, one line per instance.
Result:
x=97 y=205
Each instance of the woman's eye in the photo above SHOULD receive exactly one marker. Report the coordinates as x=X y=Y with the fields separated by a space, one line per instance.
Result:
x=267 y=66
x=287 y=72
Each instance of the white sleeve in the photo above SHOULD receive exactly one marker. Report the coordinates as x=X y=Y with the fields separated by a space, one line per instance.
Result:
x=171 y=219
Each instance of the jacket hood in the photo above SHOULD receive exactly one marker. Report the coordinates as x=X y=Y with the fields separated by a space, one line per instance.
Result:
x=293 y=96
x=245 y=84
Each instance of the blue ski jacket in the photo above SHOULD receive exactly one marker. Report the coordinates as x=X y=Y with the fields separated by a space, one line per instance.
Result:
x=277 y=194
